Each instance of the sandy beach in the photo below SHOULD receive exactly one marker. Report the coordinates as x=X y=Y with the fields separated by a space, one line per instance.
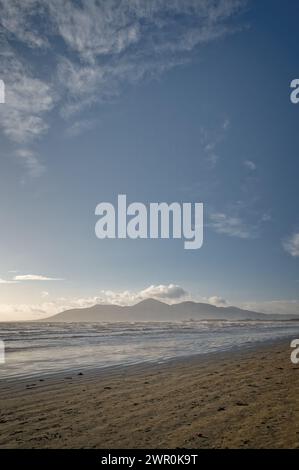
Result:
x=245 y=399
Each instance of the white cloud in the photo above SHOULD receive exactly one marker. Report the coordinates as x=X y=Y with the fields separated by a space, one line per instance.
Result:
x=172 y=291
x=169 y=293
x=217 y=301
x=291 y=244
x=231 y=225
x=250 y=165
x=35 y=277
x=31 y=161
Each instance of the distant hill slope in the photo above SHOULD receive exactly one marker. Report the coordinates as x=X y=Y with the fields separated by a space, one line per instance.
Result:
x=153 y=310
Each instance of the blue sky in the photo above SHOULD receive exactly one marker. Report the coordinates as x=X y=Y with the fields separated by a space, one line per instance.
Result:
x=172 y=101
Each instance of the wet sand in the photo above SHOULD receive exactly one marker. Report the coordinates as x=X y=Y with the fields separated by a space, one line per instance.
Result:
x=245 y=399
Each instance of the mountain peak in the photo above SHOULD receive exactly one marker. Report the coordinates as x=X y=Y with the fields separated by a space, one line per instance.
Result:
x=150 y=302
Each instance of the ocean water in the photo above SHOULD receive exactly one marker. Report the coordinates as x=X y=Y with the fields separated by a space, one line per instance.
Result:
x=42 y=348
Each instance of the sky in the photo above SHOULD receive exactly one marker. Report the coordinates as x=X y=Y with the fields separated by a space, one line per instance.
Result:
x=161 y=101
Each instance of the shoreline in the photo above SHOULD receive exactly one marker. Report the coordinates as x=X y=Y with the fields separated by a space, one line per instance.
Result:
x=111 y=370
x=244 y=398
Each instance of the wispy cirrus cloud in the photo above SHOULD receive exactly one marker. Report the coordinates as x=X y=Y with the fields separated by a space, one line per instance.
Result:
x=81 y=126
x=100 y=28
x=35 y=277
x=291 y=244
x=31 y=161
x=210 y=140
x=17 y=20
x=27 y=98
x=250 y=165
x=122 y=43
x=95 y=49
x=233 y=226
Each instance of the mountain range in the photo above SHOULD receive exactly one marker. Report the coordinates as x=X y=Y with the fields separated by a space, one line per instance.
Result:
x=153 y=310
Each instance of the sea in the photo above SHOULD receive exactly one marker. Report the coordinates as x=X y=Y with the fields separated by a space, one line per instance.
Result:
x=36 y=348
